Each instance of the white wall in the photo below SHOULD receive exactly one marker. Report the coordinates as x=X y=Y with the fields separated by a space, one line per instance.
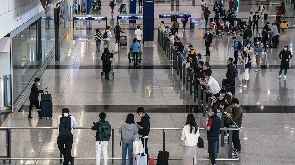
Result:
x=14 y=13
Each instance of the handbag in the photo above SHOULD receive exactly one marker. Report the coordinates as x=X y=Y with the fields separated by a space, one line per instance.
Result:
x=200 y=142
x=211 y=48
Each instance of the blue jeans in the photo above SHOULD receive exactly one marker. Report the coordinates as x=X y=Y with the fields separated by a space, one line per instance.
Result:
x=281 y=70
x=98 y=43
x=125 y=147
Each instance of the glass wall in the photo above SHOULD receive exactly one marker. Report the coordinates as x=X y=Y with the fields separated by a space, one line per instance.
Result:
x=31 y=47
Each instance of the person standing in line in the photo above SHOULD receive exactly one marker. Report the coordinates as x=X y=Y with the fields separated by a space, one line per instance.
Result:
x=236 y=49
x=230 y=75
x=213 y=131
x=236 y=116
x=236 y=5
x=128 y=130
x=106 y=37
x=143 y=128
x=208 y=41
x=138 y=34
x=258 y=53
x=285 y=56
x=34 y=97
x=66 y=124
x=135 y=48
x=190 y=135
x=98 y=40
x=103 y=133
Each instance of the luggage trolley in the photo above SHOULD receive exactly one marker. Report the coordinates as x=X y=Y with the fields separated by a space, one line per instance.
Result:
x=131 y=57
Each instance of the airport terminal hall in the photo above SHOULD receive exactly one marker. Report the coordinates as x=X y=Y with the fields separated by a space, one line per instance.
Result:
x=147 y=82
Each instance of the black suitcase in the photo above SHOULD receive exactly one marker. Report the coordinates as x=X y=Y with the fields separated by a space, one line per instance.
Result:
x=46 y=97
x=163 y=157
x=46 y=109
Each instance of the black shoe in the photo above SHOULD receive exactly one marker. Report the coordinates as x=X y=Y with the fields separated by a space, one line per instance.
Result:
x=72 y=161
x=30 y=117
x=206 y=55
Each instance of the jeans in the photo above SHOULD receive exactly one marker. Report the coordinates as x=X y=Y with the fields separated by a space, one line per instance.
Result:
x=212 y=148
x=207 y=51
x=65 y=147
x=98 y=43
x=255 y=23
x=106 y=43
x=129 y=147
x=281 y=70
x=33 y=103
x=258 y=59
x=236 y=140
x=102 y=146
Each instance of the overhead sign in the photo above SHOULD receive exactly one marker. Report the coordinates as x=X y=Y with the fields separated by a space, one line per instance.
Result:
x=170 y=15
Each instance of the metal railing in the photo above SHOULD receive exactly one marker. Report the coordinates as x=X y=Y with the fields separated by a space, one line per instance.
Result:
x=9 y=143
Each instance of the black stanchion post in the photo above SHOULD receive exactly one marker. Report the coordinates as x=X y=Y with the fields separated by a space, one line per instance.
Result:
x=195 y=90
x=180 y=67
x=209 y=102
x=183 y=74
x=230 y=140
x=191 y=83
x=222 y=132
x=199 y=98
x=164 y=140
x=177 y=64
x=171 y=51
x=8 y=143
x=187 y=76
x=113 y=145
x=204 y=103
x=174 y=59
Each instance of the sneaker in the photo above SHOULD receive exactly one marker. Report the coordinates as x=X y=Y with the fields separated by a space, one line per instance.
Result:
x=280 y=76
x=285 y=77
x=244 y=86
x=241 y=85
x=38 y=110
x=256 y=70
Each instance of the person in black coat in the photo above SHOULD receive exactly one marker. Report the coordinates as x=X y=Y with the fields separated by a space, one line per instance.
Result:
x=106 y=62
x=285 y=56
x=34 y=97
x=208 y=40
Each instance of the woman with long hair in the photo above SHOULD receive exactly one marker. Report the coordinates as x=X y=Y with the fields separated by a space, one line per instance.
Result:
x=190 y=135
x=106 y=62
x=128 y=130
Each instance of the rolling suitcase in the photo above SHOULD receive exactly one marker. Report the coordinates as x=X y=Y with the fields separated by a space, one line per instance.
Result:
x=46 y=109
x=123 y=41
x=114 y=48
x=163 y=157
x=139 y=155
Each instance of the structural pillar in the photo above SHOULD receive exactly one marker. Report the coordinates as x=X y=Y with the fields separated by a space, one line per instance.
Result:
x=132 y=9
x=56 y=32
x=148 y=20
x=39 y=40
x=5 y=73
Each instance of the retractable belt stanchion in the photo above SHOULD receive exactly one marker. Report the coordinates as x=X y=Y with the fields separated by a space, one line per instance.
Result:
x=199 y=97
x=204 y=103
x=230 y=140
x=222 y=132
x=174 y=59
x=178 y=63
x=183 y=73
x=209 y=102
x=195 y=90
x=191 y=83
x=186 y=79
x=180 y=67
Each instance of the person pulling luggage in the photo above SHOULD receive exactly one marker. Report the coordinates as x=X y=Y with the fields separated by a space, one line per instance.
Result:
x=34 y=97
x=66 y=124
x=135 y=48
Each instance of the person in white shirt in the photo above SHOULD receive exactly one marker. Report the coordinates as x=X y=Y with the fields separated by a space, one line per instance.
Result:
x=66 y=124
x=138 y=34
x=190 y=135
x=211 y=83
x=106 y=35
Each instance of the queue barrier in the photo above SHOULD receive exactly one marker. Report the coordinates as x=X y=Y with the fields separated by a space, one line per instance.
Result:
x=9 y=157
x=131 y=17
x=89 y=18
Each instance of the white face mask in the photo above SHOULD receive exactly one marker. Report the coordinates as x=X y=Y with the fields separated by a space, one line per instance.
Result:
x=257 y=43
x=285 y=49
x=38 y=83
x=209 y=114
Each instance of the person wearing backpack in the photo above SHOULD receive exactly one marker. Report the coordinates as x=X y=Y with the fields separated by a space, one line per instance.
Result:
x=66 y=124
x=106 y=37
x=231 y=75
x=128 y=130
x=106 y=62
x=103 y=133
x=190 y=135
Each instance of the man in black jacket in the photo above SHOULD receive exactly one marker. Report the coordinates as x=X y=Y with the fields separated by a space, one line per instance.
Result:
x=208 y=40
x=34 y=101
x=230 y=75
x=213 y=131
x=143 y=128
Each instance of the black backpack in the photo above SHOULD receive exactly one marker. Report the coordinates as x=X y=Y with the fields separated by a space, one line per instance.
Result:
x=105 y=35
x=240 y=46
x=65 y=127
x=106 y=59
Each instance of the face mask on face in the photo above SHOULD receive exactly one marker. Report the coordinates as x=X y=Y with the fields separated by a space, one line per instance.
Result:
x=257 y=43
x=209 y=114
x=248 y=46
x=38 y=83
x=285 y=49
x=207 y=32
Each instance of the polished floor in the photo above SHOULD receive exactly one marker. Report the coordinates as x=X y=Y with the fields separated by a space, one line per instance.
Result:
x=267 y=135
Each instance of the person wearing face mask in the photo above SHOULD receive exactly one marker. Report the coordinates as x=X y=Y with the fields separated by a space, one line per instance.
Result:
x=211 y=83
x=258 y=52
x=285 y=56
x=34 y=97
x=226 y=108
x=255 y=21
x=208 y=41
x=213 y=130
x=231 y=74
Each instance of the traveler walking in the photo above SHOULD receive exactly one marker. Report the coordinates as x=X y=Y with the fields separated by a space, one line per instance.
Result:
x=138 y=34
x=34 y=97
x=255 y=21
x=275 y=35
x=237 y=46
x=112 y=5
x=106 y=35
x=75 y=7
x=206 y=15
x=190 y=135
x=258 y=53
x=208 y=41
x=264 y=38
x=118 y=31
x=135 y=48
x=285 y=56
x=176 y=27
x=103 y=133
x=184 y=21
x=106 y=62
x=66 y=124
x=213 y=131
x=98 y=40
x=143 y=128
x=236 y=116
x=128 y=130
